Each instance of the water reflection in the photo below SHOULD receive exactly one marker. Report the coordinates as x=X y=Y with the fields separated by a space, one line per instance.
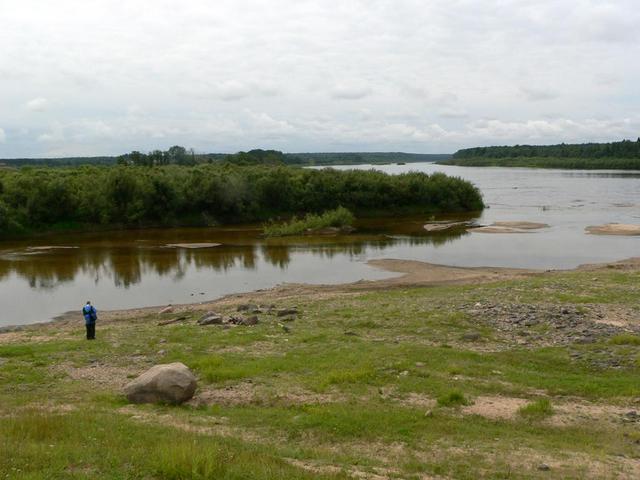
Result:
x=600 y=174
x=127 y=263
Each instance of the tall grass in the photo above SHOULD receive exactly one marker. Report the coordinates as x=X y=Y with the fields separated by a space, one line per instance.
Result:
x=537 y=410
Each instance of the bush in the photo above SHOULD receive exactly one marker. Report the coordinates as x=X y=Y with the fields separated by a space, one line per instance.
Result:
x=453 y=399
x=338 y=218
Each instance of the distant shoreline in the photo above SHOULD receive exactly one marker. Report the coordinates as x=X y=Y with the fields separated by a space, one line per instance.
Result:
x=629 y=164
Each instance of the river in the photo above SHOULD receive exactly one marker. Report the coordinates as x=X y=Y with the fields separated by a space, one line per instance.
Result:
x=44 y=277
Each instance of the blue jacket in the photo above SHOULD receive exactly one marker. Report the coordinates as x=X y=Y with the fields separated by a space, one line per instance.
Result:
x=90 y=314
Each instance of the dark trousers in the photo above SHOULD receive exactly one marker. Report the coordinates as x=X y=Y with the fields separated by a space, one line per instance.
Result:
x=91 y=331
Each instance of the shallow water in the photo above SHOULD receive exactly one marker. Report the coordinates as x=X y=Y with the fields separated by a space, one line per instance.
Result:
x=136 y=268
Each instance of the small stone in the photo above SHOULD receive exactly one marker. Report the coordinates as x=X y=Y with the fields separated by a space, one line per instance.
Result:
x=283 y=312
x=161 y=352
x=428 y=413
x=544 y=467
x=167 y=309
x=471 y=336
x=419 y=364
x=404 y=373
x=246 y=307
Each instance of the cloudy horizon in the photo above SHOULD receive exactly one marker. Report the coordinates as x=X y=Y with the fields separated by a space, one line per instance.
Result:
x=103 y=78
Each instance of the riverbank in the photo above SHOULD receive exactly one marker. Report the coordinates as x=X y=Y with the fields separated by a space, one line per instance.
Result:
x=630 y=164
x=439 y=372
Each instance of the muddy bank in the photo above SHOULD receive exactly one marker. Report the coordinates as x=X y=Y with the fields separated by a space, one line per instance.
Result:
x=510 y=227
x=614 y=229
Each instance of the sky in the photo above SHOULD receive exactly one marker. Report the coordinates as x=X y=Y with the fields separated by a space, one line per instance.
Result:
x=94 y=77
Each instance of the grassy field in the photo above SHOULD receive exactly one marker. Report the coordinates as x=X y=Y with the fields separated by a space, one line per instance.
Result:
x=527 y=378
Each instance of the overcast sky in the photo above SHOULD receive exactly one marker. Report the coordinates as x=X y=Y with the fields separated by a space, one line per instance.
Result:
x=92 y=77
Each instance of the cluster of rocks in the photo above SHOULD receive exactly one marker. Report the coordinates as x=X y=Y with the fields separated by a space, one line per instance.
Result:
x=543 y=324
x=248 y=315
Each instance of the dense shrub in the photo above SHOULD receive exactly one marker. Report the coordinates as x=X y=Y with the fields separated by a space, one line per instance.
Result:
x=44 y=198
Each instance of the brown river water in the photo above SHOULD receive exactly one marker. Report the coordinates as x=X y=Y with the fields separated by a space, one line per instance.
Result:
x=44 y=277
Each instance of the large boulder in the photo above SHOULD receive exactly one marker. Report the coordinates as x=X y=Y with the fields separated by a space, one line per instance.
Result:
x=171 y=383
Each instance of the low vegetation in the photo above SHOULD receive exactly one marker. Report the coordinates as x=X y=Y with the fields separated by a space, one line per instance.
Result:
x=537 y=410
x=370 y=384
x=40 y=199
x=339 y=218
x=452 y=399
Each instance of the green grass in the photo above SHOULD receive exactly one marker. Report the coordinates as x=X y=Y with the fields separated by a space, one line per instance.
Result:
x=351 y=386
x=625 y=339
x=338 y=218
x=100 y=445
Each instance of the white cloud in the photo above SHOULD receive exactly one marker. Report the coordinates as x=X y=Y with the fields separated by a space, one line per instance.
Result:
x=354 y=91
x=232 y=90
x=37 y=104
x=536 y=94
x=394 y=74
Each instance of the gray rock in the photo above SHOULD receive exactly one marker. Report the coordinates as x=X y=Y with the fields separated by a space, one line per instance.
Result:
x=253 y=320
x=170 y=383
x=210 y=318
x=242 y=320
x=283 y=312
x=544 y=467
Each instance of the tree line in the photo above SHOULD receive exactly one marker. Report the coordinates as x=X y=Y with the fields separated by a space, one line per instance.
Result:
x=42 y=199
x=549 y=162
x=179 y=155
x=618 y=150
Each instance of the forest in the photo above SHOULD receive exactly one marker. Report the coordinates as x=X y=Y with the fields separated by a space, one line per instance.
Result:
x=355 y=158
x=623 y=155
x=35 y=200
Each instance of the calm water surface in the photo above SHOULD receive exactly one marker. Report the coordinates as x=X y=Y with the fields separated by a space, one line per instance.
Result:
x=136 y=268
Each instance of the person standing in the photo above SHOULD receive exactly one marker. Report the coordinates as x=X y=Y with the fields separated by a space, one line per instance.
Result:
x=90 y=316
